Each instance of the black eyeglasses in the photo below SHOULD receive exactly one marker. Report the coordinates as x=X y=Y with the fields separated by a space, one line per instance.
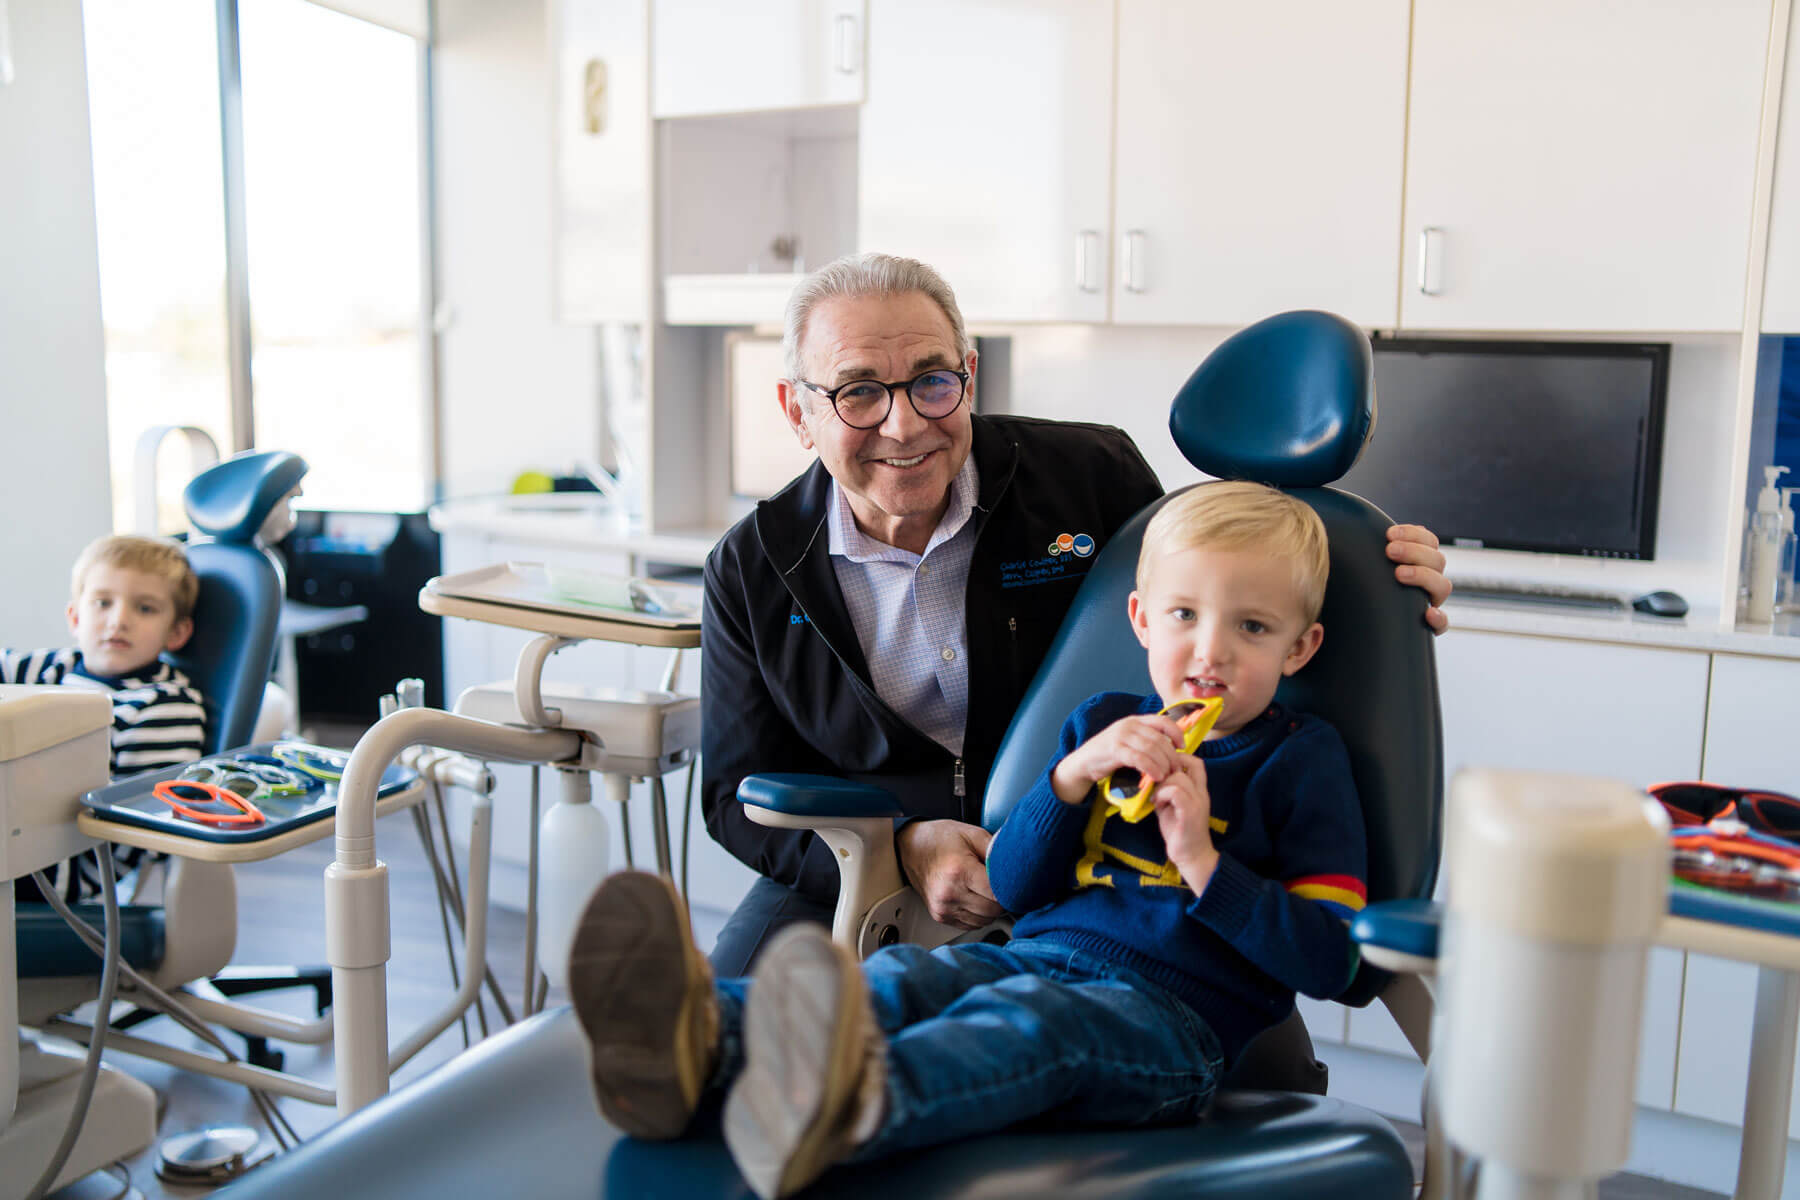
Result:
x=865 y=403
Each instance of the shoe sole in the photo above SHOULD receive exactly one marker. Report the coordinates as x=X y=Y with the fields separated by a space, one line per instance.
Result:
x=803 y=1054
x=636 y=982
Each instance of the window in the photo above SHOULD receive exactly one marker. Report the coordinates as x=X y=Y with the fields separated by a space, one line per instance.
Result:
x=332 y=217
x=331 y=166
x=153 y=98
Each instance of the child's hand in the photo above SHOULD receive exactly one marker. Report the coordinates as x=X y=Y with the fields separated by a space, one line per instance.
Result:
x=1149 y=744
x=1183 y=815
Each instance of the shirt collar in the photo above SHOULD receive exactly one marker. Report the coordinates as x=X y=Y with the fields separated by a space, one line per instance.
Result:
x=845 y=540
x=155 y=672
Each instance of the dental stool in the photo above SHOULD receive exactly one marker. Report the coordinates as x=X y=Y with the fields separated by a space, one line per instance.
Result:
x=1289 y=401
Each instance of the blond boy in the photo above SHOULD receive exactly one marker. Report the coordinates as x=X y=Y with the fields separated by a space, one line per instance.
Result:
x=131 y=599
x=1147 y=952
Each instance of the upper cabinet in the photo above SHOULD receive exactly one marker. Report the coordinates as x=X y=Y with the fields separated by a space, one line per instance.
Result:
x=711 y=58
x=1260 y=152
x=985 y=150
x=1581 y=166
x=1781 y=285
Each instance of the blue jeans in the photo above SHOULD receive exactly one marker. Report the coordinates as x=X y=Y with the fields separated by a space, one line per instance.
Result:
x=983 y=1037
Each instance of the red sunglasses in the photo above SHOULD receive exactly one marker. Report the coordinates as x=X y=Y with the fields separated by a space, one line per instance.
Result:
x=1692 y=802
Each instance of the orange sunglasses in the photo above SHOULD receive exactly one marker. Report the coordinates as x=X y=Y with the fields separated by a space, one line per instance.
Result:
x=182 y=794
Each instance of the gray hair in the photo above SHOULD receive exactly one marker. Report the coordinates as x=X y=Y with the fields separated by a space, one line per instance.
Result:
x=869 y=274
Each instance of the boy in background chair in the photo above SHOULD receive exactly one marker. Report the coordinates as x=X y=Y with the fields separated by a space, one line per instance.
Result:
x=1147 y=953
x=130 y=599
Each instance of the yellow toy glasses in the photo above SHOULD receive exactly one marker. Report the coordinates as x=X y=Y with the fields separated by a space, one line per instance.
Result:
x=1127 y=790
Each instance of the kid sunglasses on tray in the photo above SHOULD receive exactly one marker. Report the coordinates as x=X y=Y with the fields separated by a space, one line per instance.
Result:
x=1692 y=802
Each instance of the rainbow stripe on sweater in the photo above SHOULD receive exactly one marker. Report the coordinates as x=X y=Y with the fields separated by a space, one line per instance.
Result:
x=1343 y=894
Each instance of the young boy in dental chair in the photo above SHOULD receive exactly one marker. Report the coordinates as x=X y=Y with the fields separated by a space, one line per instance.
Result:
x=1146 y=955
x=131 y=599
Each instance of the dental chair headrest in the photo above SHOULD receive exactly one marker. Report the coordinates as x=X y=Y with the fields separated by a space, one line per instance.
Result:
x=1288 y=401
x=231 y=501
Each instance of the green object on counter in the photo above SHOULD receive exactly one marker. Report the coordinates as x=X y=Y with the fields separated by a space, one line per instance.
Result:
x=531 y=483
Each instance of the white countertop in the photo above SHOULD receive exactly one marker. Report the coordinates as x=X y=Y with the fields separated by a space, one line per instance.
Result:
x=582 y=520
x=1699 y=630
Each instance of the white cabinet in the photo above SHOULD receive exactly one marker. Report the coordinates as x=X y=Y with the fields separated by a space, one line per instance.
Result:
x=720 y=58
x=1750 y=723
x=985 y=150
x=1581 y=165
x=1591 y=708
x=1260 y=153
x=600 y=139
x=1626 y=712
x=1749 y=743
x=1781 y=284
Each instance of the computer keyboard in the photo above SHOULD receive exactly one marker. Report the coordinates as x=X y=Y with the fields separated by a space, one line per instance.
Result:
x=1554 y=595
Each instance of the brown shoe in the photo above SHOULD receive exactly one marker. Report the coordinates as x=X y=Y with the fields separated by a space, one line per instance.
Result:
x=815 y=1063
x=644 y=996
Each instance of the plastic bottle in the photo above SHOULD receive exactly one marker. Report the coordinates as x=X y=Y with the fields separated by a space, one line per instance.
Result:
x=1762 y=554
x=573 y=846
x=1785 y=599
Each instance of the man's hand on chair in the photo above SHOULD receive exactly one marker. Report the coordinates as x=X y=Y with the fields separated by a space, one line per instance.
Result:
x=946 y=862
x=1420 y=563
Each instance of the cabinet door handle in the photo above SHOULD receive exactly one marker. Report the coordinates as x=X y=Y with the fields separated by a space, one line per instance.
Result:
x=848 y=44
x=1431 y=261
x=1134 y=257
x=1087 y=254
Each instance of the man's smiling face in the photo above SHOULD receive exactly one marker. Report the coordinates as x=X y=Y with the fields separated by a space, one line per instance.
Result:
x=897 y=475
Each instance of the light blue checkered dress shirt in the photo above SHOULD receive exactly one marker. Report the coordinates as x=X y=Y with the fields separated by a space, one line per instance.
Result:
x=908 y=611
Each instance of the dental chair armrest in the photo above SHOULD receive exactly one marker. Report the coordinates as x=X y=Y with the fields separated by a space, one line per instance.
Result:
x=816 y=796
x=855 y=819
x=1400 y=935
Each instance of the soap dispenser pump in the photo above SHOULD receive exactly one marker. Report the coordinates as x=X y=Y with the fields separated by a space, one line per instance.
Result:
x=1762 y=553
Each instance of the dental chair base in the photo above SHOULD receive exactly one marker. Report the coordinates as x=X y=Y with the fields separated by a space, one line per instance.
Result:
x=459 y=1141
x=53 y=748
x=121 y=1117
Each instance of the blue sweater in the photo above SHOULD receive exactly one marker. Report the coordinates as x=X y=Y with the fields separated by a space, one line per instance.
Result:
x=1270 y=922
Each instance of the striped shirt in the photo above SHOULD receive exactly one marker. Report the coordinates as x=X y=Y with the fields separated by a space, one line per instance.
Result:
x=908 y=611
x=158 y=720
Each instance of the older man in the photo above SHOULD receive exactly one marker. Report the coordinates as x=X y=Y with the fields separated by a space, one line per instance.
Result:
x=863 y=621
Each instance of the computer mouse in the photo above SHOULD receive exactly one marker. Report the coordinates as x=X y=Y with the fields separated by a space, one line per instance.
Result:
x=1661 y=604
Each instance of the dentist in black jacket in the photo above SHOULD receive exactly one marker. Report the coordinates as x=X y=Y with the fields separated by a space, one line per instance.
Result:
x=832 y=642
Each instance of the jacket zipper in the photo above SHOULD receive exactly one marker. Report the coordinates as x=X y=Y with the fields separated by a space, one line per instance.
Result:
x=959 y=786
x=1012 y=644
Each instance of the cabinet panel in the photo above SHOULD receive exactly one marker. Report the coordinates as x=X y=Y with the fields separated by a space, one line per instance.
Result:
x=985 y=150
x=1260 y=154
x=1661 y=1029
x=1781 y=285
x=1750 y=723
x=600 y=139
x=709 y=57
x=1717 y=1002
x=1586 y=165
x=1628 y=712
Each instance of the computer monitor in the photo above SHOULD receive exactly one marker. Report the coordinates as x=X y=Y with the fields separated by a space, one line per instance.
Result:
x=1546 y=446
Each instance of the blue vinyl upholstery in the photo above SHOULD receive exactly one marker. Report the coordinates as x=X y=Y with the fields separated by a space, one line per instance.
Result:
x=232 y=651
x=515 y=1117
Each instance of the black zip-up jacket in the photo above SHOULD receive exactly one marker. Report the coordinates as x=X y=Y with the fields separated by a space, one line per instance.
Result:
x=784 y=686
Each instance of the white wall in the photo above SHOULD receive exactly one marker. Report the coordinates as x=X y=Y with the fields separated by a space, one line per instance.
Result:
x=55 y=490
x=519 y=391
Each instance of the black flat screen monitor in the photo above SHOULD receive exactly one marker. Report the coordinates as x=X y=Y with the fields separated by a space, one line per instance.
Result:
x=1547 y=446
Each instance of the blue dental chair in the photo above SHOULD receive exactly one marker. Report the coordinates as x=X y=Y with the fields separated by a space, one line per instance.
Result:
x=229 y=659
x=1288 y=401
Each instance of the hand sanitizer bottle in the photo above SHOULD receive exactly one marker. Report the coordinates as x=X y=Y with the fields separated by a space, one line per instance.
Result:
x=1785 y=599
x=1762 y=554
